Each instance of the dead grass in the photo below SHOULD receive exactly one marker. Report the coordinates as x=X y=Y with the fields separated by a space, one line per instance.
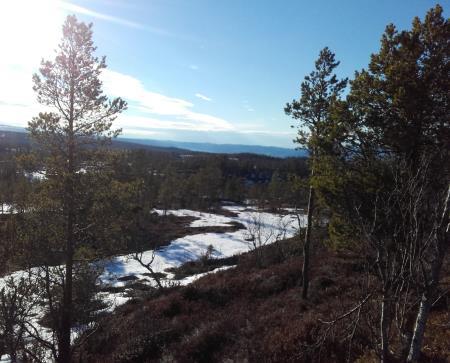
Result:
x=253 y=313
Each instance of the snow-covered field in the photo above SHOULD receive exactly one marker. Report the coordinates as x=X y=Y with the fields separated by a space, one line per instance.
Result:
x=266 y=227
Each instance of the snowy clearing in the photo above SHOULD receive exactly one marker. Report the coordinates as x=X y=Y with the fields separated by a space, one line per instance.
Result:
x=271 y=227
x=266 y=227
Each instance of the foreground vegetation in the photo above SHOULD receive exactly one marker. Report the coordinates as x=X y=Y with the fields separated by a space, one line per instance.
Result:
x=255 y=313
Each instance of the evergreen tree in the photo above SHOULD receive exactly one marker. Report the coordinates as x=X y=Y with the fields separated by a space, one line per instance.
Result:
x=275 y=191
x=318 y=92
x=68 y=138
x=403 y=103
x=388 y=183
x=169 y=191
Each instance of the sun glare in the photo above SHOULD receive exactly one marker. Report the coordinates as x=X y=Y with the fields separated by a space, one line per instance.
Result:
x=29 y=30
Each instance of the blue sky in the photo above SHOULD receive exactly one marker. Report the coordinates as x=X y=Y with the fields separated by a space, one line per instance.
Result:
x=198 y=70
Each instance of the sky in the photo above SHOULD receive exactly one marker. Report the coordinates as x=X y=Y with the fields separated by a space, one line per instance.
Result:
x=217 y=71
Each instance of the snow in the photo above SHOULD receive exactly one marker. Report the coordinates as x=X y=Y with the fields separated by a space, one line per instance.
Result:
x=203 y=219
x=113 y=300
x=192 y=247
x=7 y=209
x=36 y=175
x=190 y=279
x=268 y=227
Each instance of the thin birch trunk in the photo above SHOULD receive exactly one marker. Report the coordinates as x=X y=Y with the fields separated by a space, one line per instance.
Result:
x=384 y=330
x=307 y=244
x=442 y=244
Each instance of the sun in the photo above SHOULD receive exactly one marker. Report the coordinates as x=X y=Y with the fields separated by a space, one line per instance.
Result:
x=29 y=30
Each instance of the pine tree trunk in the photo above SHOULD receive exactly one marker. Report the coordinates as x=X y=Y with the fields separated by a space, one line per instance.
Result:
x=66 y=317
x=306 y=245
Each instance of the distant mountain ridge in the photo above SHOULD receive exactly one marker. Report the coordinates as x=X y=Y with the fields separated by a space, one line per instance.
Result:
x=179 y=146
x=12 y=128
x=274 y=151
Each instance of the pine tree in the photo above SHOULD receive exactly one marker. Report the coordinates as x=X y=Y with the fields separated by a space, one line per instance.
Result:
x=320 y=89
x=68 y=136
x=388 y=183
x=402 y=103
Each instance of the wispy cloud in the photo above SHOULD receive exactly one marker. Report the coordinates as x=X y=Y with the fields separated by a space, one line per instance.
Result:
x=265 y=132
x=194 y=67
x=258 y=127
x=70 y=7
x=176 y=113
x=203 y=97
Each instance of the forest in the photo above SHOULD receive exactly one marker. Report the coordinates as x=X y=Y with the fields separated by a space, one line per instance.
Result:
x=111 y=252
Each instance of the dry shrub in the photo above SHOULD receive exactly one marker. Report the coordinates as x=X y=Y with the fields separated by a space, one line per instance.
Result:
x=252 y=314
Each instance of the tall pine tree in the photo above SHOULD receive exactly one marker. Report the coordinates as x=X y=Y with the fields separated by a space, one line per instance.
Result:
x=318 y=92
x=68 y=138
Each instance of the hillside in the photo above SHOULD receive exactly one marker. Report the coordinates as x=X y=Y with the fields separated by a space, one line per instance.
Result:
x=254 y=313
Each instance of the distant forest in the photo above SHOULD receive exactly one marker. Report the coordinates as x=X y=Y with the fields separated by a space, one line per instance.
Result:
x=174 y=178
